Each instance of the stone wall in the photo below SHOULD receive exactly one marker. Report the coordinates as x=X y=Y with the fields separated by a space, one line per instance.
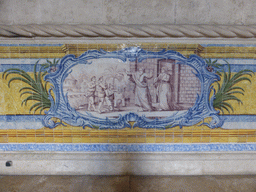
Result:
x=227 y=12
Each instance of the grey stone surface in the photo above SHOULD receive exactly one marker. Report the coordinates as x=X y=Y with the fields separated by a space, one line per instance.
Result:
x=193 y=184
x=64 y=183
x=68 y=163
x=227 y=12
x=127 y=183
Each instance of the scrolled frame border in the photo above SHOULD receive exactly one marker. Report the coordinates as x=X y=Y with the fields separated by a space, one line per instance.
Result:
x=61 y=109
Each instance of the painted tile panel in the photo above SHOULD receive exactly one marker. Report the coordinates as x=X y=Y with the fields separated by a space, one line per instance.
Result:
x=145 y=94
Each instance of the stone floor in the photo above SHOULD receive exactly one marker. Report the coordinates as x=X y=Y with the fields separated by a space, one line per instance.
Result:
x=127 y=183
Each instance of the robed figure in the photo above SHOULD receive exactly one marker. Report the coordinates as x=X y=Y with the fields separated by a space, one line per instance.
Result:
x=142 y=94
x=164 y=91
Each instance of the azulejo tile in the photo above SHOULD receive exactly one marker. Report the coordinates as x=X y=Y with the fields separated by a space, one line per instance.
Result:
x=136 y=97
x=129 y=147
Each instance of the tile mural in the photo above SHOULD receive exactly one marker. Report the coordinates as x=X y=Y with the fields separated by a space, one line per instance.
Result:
x=128 y=97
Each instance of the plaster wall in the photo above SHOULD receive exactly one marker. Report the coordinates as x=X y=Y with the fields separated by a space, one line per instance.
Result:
x=227 y=12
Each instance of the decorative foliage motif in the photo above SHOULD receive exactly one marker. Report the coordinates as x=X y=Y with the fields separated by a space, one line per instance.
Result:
x=61 y=109
x=228 y=89
x=213 y=66
x=36 y=89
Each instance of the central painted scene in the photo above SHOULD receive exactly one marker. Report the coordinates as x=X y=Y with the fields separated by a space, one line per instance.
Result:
x=152 y=87
x=112 y=89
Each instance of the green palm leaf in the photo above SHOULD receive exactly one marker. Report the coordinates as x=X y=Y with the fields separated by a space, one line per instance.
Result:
x=17 y=71
x=220 y=108
x=29 y=88
x=30 y=92
x=224 y=107
x=229 y=73
x=19 y=79
x=35 y=105
x=231 y=97
x=38 y=107
x=35 y=75
x=214 y=63
x=225 y=91
x=45 y=107
x=48 y=61
x=218 y=73
x=241 y=79
x=234 y=92
x=234 y=88
x=36 y=89
x=241 y=73
x=31 y=97
x=218 y=86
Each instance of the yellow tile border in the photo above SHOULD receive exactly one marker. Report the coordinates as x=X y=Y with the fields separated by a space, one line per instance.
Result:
x=133 y=136
x=78 y=49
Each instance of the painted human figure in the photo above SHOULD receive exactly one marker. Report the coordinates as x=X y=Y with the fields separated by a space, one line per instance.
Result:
x=109 y=97
x=142 y=95
x=91 y=94
x=104 y=94
x=164 y=91
x=120 y=97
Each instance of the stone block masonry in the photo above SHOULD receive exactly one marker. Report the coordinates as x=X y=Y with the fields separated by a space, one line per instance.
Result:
x=189 y=85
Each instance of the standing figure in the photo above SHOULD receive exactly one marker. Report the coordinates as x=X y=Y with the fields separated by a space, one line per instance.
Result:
x=109 y=97
x=120 y=97
x=142 y=95
x=164 y=91
x=91 y=94
x=101 y=93
x=105 y=94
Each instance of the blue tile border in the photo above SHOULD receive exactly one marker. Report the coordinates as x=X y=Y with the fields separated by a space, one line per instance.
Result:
x=30 y=67
x=129 y=147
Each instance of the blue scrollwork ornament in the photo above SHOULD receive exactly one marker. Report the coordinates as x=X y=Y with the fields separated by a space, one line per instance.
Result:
x=61 y=109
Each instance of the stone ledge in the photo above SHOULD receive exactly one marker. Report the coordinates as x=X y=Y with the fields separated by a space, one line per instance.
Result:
x=53 y=163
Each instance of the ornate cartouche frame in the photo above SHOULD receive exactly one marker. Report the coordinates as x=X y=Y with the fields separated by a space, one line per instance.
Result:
x=61 y=109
